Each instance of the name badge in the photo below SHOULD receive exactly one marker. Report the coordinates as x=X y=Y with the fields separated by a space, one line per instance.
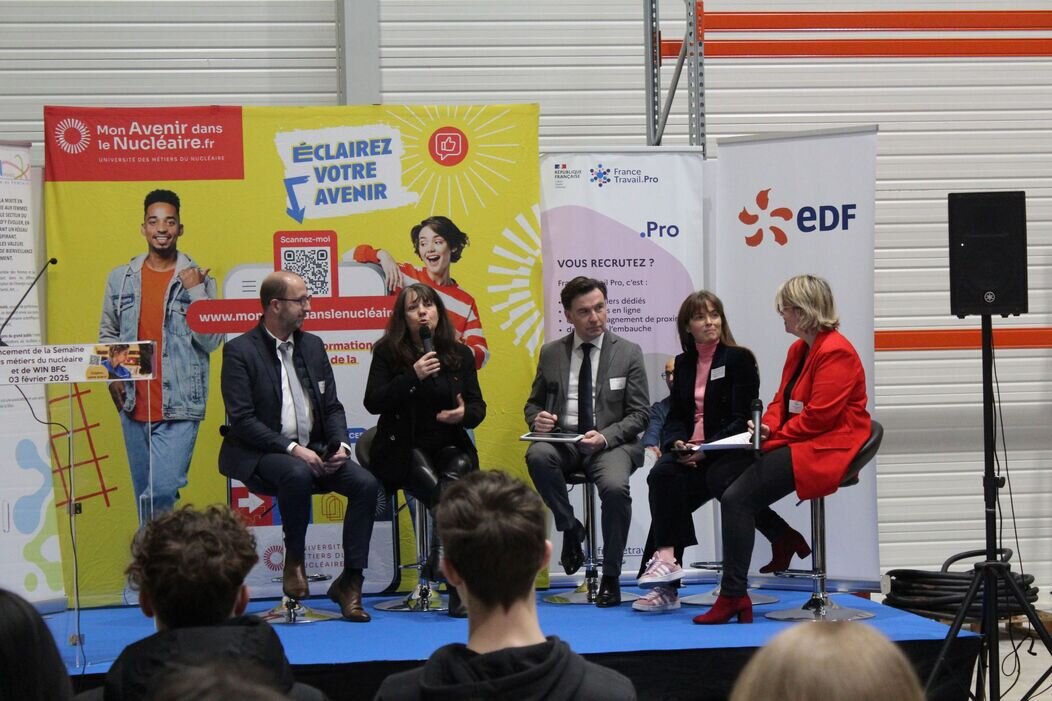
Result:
x=321 y=386
x=795 y=406
x=617 y=383
x=718 y=373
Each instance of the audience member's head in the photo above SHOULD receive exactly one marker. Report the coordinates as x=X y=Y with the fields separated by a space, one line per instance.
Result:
x=30 y=665
x=828 y=662
x=190 y=566
x=493 y=535
x=221 y=681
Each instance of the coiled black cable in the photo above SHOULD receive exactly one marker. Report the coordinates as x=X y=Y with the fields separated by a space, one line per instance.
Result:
x=940 y=594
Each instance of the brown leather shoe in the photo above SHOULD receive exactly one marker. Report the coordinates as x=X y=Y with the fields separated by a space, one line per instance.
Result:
x=346 y=590
x=294 y=578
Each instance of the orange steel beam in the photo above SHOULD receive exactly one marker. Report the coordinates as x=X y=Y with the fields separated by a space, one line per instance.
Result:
x=1015 y=20
x=960 y=339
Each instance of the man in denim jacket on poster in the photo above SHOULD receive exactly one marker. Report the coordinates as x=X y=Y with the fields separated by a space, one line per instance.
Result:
x=147 y=300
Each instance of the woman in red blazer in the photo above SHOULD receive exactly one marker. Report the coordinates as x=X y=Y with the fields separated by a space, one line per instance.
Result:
x=813 y=428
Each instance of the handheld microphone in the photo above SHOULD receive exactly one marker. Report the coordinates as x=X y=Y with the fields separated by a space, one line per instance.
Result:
x=552 y=397
x=757 y=411
x=331 y=449
x=50 y=262
x=429 y=344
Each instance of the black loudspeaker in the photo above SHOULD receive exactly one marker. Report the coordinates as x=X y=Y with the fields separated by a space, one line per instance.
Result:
x=987 y=253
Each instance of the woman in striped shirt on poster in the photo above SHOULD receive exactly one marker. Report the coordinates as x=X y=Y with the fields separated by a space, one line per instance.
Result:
x=438 y=242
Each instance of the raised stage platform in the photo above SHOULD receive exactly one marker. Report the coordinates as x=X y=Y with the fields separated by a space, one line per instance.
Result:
x=665 y=655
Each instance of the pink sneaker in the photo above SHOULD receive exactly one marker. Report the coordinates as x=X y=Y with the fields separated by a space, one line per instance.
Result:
x=661 y=598
x=660 y=572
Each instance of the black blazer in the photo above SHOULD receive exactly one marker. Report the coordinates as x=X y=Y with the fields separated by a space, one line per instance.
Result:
x=728 y=399
x=397 y=395
x=251 y=384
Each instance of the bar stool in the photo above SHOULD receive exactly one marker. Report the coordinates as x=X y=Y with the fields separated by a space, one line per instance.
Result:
x=820 y=607
x=423 y=598
x=289 y=609
x=586 y=593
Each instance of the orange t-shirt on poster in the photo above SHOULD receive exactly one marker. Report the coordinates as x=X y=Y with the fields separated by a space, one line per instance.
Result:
x=151 y=321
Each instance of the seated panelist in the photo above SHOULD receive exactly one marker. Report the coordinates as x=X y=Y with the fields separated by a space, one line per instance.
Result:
x=592 y=382
x=287 y=436
x=423 y=384
x=714 y=384
x=812 y=429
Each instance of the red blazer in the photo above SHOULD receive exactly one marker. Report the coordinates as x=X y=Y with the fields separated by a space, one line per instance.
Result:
x=827 y=434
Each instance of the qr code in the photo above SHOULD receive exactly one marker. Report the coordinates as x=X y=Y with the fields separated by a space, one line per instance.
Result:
x=313 y=265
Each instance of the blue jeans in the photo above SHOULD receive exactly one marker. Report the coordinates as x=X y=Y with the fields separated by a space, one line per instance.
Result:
x=172 y=448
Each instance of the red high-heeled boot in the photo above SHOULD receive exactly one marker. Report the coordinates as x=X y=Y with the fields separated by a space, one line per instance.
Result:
x=726 y=608
x=783 y=549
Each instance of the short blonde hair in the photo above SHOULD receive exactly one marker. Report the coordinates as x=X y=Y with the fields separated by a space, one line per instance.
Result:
x=812 y=296
x=826 y=660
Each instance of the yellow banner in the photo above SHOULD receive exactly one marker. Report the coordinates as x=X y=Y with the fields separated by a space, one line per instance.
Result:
x=325 y=191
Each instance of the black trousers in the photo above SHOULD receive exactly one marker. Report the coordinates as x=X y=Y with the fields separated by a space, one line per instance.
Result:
x=677 y=491
x=609 y=469
x=745 y=488
x=431 y=471
x=292 y=482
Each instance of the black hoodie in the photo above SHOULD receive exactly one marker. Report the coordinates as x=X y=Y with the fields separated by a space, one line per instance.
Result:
x=245 y=638
x=549 y=671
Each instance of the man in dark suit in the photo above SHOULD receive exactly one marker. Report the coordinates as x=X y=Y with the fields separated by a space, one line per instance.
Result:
x=288 y=432
x=592 y=382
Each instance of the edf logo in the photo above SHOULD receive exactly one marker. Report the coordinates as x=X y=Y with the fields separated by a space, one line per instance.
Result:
x=826 y=217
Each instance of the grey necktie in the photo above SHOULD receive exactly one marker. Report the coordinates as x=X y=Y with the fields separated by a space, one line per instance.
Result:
x=302 y=429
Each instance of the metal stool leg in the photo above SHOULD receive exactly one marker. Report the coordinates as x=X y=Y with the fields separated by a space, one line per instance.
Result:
x=290 y=610
x=423 y=598
x=819 y=607
x=586 y=593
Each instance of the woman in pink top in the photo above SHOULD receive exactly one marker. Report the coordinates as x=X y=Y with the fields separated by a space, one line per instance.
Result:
x=713 y=386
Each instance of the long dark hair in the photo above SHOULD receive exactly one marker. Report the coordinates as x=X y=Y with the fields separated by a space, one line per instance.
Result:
x=399 y=342
x=698 y=302
x=30 y=665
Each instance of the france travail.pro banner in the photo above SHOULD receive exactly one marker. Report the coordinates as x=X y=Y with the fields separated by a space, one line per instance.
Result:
x=632 y=219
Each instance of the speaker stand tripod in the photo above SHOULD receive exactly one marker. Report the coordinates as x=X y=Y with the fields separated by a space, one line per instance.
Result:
x=991 y=573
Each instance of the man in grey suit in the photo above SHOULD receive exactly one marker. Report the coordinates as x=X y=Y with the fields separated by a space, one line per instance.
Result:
x=594 y=383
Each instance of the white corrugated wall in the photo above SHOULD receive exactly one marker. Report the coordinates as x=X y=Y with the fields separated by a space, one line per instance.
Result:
x=945 y=125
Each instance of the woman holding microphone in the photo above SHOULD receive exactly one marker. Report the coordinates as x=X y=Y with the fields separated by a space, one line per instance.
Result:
x=423 y=384
x=813 y=428
x=714 y=383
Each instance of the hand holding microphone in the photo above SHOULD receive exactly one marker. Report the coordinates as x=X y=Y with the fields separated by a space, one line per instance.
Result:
x=428 y=364
x=757 y=433
x=546 y=420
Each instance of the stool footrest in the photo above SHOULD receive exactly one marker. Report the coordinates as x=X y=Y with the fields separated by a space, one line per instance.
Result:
x=800 y=574
x=714 y=565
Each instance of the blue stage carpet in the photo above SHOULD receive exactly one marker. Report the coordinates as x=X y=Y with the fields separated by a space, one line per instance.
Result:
x=620 y=638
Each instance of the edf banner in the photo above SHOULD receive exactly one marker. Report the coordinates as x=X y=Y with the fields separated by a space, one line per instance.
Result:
x=331 y=193
x=803 y=204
